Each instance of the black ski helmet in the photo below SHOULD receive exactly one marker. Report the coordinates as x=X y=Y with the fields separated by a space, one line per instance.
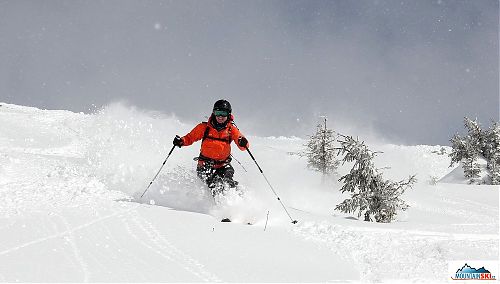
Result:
x=223 y=105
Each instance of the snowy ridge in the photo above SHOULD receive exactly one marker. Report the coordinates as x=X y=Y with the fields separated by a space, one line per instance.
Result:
x=70 y=186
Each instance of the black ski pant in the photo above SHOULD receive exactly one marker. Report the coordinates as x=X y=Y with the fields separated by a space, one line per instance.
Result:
x=212 y=175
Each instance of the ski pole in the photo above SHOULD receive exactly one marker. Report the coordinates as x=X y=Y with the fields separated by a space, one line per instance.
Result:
x=169 y=153
x=279 y=199
x=267 y=219
x=238 y=162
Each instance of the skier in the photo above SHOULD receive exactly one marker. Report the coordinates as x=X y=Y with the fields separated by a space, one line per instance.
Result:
x=214 y=162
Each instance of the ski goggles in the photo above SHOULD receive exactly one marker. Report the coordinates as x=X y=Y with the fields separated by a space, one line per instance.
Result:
x=221 y=113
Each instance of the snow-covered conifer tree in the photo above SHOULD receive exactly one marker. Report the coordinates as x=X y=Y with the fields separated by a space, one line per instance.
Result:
x=371 y=195
x=465 y=152
x=492 y=152
x=478 y=143
x=321 y=152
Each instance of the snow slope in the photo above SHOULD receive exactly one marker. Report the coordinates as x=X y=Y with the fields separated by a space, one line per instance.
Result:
x=70 y=209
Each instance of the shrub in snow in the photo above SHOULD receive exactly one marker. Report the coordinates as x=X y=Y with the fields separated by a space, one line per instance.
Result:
x=477 y=144
x=441 y=151
x=433 y=180
x=321 y=152
x=378 y=199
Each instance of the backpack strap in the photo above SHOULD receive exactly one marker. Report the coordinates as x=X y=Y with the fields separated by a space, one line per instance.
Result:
x=205 y=134
x=230 y=127
x=207 y=130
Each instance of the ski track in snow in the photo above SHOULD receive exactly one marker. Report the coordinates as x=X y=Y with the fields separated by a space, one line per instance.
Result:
x=159 y=244
x=65 y=233
x=70 y=237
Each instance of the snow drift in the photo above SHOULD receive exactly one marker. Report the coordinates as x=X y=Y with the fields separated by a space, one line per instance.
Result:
x=70 y=186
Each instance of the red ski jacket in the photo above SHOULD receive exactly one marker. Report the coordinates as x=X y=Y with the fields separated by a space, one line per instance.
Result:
x=216 y=144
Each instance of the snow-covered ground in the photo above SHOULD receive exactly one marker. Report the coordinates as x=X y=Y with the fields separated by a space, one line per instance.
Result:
x=70 y=209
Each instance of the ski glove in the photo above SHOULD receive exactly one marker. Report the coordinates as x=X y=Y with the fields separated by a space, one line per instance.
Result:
x=242 y=142
x=178 y=141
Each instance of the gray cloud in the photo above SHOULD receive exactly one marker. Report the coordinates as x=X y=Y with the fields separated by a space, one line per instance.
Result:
x=409 y=70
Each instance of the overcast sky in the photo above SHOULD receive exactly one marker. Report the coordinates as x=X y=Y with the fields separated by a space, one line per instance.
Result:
x=409 y=70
